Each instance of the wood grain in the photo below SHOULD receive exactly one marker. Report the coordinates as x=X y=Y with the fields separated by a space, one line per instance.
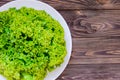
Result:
x=83 y=4
x=96 y=36
x=93 y=23
x=91 y=72
x=2 y=2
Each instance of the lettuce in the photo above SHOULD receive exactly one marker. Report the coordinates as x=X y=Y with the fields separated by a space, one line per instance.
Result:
x=31 y=44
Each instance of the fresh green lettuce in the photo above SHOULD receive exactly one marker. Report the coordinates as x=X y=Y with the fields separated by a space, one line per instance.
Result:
x=31 y=44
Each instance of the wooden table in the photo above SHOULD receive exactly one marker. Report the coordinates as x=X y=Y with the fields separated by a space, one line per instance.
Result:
x=95 y=28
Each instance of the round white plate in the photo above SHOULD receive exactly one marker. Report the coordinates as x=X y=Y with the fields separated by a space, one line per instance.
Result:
x=50 y=10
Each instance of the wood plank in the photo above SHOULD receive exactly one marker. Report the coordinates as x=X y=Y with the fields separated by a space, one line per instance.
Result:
x=85 y=52
x=96 y=44
x=94 y=60
x=93 y=23
x=79 y=4
x=95 y=51
x=91 y=72
x=95 y=35
x=83 y=4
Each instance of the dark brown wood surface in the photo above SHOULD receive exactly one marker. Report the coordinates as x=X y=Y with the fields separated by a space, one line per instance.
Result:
x=95 y=28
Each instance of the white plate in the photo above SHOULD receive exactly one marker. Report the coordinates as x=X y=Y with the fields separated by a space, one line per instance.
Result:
x=50 y=10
